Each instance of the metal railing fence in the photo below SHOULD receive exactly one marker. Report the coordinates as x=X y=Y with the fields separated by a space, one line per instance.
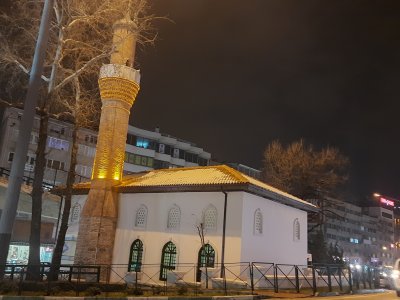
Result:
x=183 y=278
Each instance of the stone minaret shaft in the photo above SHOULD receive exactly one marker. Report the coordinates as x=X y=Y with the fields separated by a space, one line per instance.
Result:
x=119 y=85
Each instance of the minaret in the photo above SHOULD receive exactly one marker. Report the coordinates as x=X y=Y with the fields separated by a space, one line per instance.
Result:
x=119 y=85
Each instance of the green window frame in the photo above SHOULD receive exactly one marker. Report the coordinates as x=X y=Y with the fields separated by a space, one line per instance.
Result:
x=135 y=256
x=206 y=258
x=168 y=260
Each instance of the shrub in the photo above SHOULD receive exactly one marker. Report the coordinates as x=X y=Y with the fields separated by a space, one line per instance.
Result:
x=135 y=291
x=8 y=287
x=182 y=290
x=157 y=290
x=93 y=291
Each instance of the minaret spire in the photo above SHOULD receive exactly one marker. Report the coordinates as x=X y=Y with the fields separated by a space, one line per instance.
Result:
x=119 y=85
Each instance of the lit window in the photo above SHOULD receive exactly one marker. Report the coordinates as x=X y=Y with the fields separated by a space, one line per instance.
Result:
x=59 y=144
x=258 y=222
x=210 y=218
x=296 y=230
x=174 y=218
x=142 y=143
x=141 y=216
x=75 y=213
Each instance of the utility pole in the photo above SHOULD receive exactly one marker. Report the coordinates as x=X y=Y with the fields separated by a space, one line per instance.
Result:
x=18 y=165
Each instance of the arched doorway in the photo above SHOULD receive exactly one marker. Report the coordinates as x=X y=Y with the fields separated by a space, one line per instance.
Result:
x=135 y=256
x=168 y=260
x=206 y=258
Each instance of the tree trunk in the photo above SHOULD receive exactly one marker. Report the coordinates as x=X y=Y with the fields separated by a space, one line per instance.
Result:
x=33 y=272
x=56 y=260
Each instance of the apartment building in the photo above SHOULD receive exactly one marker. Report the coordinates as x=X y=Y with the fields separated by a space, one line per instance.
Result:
x=145 y=150
x=364 y=234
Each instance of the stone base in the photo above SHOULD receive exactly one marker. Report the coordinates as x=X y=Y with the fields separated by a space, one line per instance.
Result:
x=97 y=227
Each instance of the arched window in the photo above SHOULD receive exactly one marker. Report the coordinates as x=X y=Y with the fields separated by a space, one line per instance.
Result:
x=141 y=216
x=75 y=213
x=206 y=258
x=168 y=260
x=135 y=256
x=174 y=218
x=258 y=222
x=210 y=218
x=296 y=230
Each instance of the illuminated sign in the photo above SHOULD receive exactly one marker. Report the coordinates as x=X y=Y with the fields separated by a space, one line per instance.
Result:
x=387 y=202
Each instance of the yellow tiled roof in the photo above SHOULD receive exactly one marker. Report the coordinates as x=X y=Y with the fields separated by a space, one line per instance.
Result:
x=211 y=176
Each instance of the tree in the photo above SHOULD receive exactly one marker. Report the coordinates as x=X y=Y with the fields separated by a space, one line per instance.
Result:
x=303 y=171
x=318 y=248
x=80 y=41
x=311 y=175
x=322 y=252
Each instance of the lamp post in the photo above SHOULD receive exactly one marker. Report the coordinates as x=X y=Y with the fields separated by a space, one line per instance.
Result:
x=18 y=165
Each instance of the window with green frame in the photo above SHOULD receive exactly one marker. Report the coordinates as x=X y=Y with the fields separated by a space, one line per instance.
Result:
x=168 y=260
x=139 y=160
x=135 y=256
x=206 y=258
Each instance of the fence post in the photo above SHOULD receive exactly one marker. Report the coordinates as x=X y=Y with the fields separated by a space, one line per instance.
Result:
x=296 y=272
x=251 y=277
x=224 y=278
x=340 y=279
x=369 y=277
x=314 y=280
x=78 y=281
x=195 y=279
x=276 y=287
x=71 y=267
x=363 y=277
x=21 y=278
x=328 y=270
x=350 y=280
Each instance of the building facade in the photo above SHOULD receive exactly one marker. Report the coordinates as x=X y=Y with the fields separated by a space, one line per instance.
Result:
x=364 y=234
x=145 y=150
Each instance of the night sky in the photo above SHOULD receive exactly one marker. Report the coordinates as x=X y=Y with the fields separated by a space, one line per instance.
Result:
x=232 y=76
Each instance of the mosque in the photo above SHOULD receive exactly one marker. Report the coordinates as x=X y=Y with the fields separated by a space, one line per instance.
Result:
x=153 y=219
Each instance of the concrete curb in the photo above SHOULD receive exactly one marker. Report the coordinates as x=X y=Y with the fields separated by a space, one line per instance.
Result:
x=238 y=297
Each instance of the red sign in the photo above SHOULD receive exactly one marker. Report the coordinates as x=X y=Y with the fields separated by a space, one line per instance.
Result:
x=387 y=202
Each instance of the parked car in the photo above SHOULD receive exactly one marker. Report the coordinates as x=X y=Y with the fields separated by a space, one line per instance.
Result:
x=396 y=276
x=386 y=279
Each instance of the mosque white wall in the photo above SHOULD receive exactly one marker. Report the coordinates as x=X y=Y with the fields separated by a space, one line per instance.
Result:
x=156 y=234
x=277 y=243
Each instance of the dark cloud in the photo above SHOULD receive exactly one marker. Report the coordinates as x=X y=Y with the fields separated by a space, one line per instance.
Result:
x=233 y=75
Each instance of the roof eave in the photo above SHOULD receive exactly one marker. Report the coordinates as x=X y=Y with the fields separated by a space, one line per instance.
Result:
x=273 y=196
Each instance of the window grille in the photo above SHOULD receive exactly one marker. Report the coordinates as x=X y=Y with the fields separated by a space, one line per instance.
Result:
x=210 y=218
x=296 y=230
x=174 y=218
x=141 y=217
x=258 y=222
